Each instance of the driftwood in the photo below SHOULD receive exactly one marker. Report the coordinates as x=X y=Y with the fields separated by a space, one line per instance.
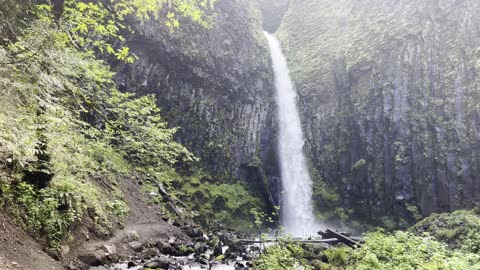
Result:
x=342 y=238
x=331 y=241
x=329 y=237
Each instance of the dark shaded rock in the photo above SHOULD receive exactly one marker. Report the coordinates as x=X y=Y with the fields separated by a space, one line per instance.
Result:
x=95 y=258
x=149 y=253
x=194 y=232
x=239 y=265
x=219 y=203
x=165 y=248
x=158 y=264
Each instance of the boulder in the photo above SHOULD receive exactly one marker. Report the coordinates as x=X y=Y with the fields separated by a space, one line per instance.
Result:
x=135 y=246
x=132 y=235
x=160 y=263
x=149 y=253
x=110 y=249
x=194 y=232
x=95 y=258
x=165 y=248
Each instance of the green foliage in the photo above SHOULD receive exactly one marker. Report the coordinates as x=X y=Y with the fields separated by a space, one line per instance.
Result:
x=287 y=255
x=337 y=256
x=214 y=201
x=321 y=190
x=98 y=25
x=413 y=210
x=405 y=251
x=138 y=131
x=59 y=108
x=261 y=219
x=460 y=229
x=48 y=212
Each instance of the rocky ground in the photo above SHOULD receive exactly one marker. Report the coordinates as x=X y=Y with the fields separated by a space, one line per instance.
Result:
x=146 y=239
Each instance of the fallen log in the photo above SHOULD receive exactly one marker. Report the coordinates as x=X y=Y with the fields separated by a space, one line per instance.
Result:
x=331 y=241
x=341 y=237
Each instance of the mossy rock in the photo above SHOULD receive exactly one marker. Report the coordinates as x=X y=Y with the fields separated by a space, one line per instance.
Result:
x=460 y=229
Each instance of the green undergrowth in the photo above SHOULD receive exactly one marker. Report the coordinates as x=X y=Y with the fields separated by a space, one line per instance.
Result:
x=404 y=250
x=424 y=247
x=287 y=255
x=381 y=251
x=460 y=229
x=68 y=137
x=215 y=201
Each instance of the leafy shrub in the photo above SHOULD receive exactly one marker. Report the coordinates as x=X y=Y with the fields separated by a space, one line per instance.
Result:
x=287 y=255
x=48 y=212
x=405 y=251
x=228 y=203
x=460 y=229
x=59 y=102
x=337 y=256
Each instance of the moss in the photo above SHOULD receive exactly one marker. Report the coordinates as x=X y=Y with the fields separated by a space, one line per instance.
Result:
x=337 y=256
x=359 y=164
x=214 y=201
x=460 y=229
x=413 y=210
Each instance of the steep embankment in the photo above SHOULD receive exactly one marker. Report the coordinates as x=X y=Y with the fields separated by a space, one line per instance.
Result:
x=20 y=251
x=390 y=103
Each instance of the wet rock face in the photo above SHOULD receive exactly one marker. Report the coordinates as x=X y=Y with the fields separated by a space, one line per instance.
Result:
x=214 y=84
x=389 y=99
x=272 y=13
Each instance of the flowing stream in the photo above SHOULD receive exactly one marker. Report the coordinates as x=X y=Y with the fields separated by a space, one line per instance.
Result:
x=296 y=213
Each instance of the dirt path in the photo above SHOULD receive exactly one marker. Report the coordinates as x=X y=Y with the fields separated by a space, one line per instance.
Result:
x=18 y=250
x=144 y=219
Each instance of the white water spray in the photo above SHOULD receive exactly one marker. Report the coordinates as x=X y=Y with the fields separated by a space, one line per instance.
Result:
x=296 y=213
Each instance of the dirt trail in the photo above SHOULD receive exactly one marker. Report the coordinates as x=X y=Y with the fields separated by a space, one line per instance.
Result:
x=18 y=250
x=144 y=218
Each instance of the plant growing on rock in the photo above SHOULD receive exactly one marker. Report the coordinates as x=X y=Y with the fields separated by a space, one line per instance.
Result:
x=287 y=255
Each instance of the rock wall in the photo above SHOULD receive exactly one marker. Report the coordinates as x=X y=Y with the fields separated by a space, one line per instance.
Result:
x=214 y=84
x=272 y=13
x=390 y=103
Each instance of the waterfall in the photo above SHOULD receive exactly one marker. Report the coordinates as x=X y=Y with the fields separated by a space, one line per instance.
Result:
x=296 y=213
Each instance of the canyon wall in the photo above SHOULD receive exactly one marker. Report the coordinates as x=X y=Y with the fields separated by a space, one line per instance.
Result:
x=389 y=93
x=215 y=84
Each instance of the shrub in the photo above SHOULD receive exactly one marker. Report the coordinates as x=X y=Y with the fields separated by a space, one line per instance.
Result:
x=287 y=255
x=460 y=229
x=337 y=256
x=47 y=213
x=405 y=251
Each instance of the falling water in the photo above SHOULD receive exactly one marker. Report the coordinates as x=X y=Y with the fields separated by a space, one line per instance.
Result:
x=296 y=213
